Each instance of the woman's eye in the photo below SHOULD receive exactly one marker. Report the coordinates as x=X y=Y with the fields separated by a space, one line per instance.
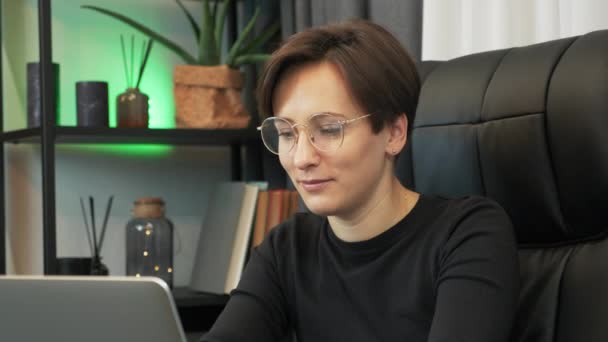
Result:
x=329 y=129
x=286 y=134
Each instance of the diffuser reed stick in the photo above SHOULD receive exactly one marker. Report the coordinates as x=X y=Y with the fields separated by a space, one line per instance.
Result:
x=105 y=223
x=132 y=53
x=129 y=67
x=86 y=225
x=142 y=67
x=124 y=60
x=92 y=209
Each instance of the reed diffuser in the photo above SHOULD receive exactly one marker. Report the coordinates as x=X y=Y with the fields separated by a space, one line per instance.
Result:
x=96 y=242
x=132 y=105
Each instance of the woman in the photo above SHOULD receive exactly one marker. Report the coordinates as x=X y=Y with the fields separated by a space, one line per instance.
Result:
x=375 y=261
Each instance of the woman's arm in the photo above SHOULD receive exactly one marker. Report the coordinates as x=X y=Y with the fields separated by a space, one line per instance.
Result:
x=256 y=310
x=478 y=279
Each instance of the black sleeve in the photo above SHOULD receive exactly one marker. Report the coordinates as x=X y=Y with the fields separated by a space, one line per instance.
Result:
x=478 y=277
x=256 y=310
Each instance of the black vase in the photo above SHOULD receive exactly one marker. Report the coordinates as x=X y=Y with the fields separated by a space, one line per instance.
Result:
x=81 y=266
x=92 y=104
x=34 y=103
x=98 y=267
x=74 y=266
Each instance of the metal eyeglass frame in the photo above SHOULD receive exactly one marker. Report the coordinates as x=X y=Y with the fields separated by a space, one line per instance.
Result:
x=343 y=123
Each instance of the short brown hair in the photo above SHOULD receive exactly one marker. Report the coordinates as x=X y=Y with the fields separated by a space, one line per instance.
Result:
x=380 y=73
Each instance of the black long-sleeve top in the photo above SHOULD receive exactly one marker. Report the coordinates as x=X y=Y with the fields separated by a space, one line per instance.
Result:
x=447 y=272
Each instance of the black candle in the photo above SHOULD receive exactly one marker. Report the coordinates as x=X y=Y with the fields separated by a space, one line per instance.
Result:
x=92 y=104
x=33 y=93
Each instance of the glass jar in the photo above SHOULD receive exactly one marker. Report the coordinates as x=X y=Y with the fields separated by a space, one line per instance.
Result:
x=150 y=241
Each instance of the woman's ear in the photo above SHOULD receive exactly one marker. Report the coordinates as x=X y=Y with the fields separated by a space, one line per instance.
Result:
x=397 y=135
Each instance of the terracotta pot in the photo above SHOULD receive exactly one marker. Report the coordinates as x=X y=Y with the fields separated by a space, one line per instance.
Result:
x=208 y=97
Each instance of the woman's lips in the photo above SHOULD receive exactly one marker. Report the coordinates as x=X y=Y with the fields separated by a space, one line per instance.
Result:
x=314 y=184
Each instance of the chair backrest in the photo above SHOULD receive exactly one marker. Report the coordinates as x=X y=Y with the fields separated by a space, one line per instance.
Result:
x=528 y=127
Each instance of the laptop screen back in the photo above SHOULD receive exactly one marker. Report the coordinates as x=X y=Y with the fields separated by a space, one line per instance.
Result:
x=92 y=309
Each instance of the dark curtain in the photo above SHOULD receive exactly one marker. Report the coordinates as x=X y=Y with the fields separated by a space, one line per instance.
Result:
x=402 y=17
x=258 y=164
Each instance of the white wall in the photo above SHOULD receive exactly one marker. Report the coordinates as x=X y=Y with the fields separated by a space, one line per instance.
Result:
x=453 y=28
x=183 y=178
x=86 y=46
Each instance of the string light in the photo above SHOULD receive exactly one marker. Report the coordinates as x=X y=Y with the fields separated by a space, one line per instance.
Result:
x=156 y=268
x=145 y=253
x=137 y=275
x=170 y=270
x=148 y=232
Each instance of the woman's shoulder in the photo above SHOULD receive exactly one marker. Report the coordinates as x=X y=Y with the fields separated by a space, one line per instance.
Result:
x=469 y=214
x=463 y=206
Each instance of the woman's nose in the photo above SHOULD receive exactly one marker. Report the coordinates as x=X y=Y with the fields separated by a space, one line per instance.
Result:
x=305 y=154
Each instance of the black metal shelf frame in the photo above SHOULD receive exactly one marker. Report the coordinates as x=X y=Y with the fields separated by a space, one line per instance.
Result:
x=47 y=134
x=2 y=188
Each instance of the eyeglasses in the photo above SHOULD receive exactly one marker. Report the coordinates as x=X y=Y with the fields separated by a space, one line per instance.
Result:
x=325 y=132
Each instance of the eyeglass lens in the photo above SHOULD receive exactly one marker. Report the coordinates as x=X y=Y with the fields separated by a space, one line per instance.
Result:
x=325 y=132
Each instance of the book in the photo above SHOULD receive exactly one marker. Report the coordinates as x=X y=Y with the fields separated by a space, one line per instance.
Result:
x=224 y=238
x=259 y=228
x=273 y=207
x=285 y=210
x=294 y=202
x=274 y=214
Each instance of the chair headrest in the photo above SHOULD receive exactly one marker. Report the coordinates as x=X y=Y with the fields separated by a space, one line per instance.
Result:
x=526 y=126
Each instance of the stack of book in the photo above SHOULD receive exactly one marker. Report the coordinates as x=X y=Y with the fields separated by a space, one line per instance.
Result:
x=238 y=217
x=274 y=206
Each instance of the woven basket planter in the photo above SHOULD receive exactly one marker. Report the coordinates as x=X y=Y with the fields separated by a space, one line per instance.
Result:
x=208 y=97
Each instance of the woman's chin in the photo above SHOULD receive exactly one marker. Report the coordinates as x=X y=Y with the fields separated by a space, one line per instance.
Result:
x=321 y=208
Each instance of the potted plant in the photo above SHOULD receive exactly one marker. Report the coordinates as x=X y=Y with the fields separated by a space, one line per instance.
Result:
x=207 y=88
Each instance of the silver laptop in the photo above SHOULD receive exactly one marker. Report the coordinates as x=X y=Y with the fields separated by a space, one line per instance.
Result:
x=88 y=309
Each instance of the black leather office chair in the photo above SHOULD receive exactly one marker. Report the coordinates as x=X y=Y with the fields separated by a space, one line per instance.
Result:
x=528 y=127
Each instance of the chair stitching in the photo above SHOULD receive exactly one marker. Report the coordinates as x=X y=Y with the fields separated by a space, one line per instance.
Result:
x=563 y=222
x=479 y=123
x=559 y=291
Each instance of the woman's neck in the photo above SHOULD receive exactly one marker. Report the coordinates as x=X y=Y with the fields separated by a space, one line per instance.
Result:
x=387 y=206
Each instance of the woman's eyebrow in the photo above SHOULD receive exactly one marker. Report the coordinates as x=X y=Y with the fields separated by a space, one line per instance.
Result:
x=332 y=113
x=283 y=116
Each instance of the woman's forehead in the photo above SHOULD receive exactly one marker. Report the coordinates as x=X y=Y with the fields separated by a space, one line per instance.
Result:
x=312 y=88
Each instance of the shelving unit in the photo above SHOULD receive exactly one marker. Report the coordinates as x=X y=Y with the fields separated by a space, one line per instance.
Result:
x=49 y=135
x=195 y=308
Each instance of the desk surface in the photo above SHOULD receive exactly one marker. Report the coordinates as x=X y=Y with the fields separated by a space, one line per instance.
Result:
x=198 y=310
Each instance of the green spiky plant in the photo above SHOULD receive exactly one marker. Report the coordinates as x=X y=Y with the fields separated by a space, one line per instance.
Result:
x=209 y=35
